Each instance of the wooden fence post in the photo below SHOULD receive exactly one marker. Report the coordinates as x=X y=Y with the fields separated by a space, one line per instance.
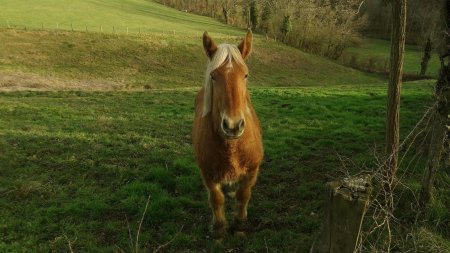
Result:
x=439 y=128
x=347 y=202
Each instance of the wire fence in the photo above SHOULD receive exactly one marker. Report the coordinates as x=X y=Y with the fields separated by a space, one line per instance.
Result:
x=102 y=28
x=57 y=26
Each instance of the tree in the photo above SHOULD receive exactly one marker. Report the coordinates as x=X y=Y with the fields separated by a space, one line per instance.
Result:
x=440 y=115
x=426 y=57
x=266 y=17
x=286 y=27
x=225 y=13
x=254 y=14
x=395 y=79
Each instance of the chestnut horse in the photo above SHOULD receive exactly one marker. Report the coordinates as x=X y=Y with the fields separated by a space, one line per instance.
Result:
x=226 y=133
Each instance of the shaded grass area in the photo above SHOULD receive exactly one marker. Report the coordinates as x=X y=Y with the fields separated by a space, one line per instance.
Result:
x=77 y=165
x=154 y=61
x=373 y=55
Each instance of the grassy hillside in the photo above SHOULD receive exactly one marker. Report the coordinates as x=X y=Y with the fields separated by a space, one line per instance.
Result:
x=157 y=58
x=373 y=54
x=43 y=59
x=158 y=22
x=78 y=166
x=145 y=15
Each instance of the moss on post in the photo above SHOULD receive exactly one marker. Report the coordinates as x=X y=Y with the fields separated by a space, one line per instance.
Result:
x=347 y=202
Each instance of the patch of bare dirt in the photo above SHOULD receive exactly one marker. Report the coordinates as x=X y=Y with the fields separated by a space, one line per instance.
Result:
x=17 y=81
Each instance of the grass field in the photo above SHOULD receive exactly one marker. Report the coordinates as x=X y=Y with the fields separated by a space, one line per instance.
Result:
x=373 y=54
x=38 y=59
x=76 y=165
x=167 y=25
x=137 y=15
x=91 y=124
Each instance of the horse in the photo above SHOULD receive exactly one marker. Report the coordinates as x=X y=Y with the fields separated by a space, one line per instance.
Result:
x=226 y=132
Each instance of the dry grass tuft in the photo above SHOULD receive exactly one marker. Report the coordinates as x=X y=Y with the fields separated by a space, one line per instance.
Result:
x=17 y=81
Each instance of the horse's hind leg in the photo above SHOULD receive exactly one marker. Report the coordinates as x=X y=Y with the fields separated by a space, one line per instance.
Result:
x=217 y=200
x=243 y=195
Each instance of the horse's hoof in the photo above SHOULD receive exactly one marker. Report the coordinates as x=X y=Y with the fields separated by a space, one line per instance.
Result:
x=240 y=234
x=219 y=233
x=239 y=227
x=218 y=240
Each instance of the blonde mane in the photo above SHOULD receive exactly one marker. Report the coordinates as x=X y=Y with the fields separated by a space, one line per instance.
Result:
x=225 y=53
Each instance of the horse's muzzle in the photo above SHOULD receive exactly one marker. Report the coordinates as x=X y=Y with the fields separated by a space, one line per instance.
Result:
x=232 y=130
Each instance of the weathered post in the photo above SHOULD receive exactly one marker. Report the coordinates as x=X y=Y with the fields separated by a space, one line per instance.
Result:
x=438 y=132
x=347 y=203
x=440 y=115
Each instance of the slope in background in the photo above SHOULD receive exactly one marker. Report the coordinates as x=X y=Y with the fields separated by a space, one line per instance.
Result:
x=157 y=58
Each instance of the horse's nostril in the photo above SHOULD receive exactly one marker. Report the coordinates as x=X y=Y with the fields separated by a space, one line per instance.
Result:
x=225 y=124
x=241 y=124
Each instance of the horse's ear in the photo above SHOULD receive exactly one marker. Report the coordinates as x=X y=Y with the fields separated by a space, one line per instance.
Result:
x=209 y=45
x=246 y=45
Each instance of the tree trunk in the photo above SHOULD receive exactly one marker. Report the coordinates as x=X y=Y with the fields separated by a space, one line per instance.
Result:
x=225 y=14
x=426 y=57
x=438 y=131
x=395 y=80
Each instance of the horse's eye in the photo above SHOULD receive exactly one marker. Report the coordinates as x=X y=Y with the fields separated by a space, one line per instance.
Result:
x=212 y=78
x=246 y=76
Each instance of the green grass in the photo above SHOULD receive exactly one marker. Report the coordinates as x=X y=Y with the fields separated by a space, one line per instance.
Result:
x=147 y=16
x=377 y=51
x=39 y=58
x=78 y=165
x=159 y=23
x=158 y=58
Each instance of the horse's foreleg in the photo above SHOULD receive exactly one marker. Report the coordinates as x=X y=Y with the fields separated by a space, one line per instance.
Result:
x=243 y=195
x=217 y=201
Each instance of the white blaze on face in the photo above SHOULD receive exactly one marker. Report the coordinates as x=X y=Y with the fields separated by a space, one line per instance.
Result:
x=228 y=67
x=225 y=53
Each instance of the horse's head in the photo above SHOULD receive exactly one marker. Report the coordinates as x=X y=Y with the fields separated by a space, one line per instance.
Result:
x=226 y=96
